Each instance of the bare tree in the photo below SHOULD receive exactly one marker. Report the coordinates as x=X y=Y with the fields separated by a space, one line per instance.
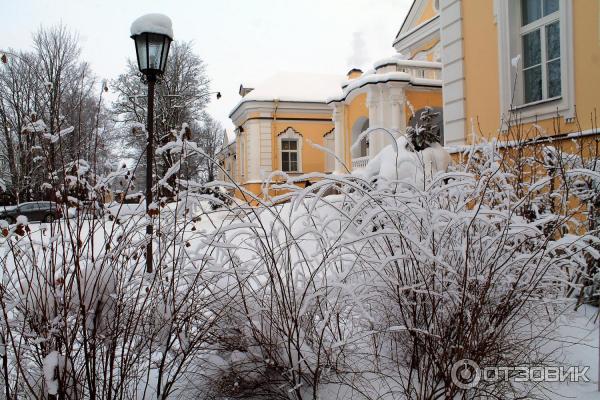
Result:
x=181 y=96
x=211 y=135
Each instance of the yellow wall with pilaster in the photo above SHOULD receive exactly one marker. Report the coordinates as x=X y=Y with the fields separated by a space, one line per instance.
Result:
x=481 y=69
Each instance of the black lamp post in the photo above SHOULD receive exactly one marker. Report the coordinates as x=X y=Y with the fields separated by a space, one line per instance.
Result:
x=152 y=34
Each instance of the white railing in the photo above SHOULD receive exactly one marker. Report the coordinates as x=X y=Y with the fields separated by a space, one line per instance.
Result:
x=359 y=162
x=415 y=68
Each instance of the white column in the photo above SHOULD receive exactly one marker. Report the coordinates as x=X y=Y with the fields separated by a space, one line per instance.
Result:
x=386 y=115
x=375 y=121
x=339 y=137
x=397 y=100
x=253 y=151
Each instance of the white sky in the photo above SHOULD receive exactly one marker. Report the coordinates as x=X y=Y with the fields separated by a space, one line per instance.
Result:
x=239 y=40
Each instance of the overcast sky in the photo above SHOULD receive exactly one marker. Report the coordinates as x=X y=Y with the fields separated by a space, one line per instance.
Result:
x=239 y=40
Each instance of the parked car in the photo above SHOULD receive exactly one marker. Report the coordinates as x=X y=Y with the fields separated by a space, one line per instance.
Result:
x=90 y=210
x=45 y=211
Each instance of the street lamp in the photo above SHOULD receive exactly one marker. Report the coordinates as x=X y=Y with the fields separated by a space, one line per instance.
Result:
x=152 y=34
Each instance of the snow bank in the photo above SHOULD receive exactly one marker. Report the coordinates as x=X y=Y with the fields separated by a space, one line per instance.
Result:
x=152 y=23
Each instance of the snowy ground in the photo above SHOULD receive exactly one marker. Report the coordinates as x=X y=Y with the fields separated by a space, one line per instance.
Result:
x=576 y=342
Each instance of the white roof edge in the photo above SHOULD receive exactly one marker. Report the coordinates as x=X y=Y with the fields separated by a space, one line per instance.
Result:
x=400 y=61
x=416 y=29
x=382 y=78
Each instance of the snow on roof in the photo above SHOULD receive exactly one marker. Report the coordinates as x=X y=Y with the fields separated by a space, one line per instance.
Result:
x=294 y=86
x=400 y=59
x=153 y=23
x=367 y=79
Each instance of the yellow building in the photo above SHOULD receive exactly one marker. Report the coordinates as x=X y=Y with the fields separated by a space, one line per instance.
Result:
x=525 y=61
x=483 y=63
x=389 y=96
x=278 y=122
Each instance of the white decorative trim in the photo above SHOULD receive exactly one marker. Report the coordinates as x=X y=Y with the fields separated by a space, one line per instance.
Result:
x=290 y=133
x=418 y=36
x=416 y=10
x=243 y=110
x=340 y=140
x=453 y=91
x=507 y=15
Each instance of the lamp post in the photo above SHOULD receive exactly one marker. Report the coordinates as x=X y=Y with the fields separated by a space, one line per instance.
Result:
x=152 y=34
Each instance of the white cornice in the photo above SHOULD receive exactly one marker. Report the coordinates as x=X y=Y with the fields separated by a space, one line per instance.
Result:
x=241 y=113
x=416 y=9
x=417 y=36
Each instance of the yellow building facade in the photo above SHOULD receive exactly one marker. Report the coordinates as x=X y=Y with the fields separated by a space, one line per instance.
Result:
x=529 y=63
x=487 y=65
x=282 y=126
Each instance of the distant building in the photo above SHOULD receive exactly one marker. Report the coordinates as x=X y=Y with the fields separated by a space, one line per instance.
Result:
x=226 y=157
x=277 y=121
x=480 y=63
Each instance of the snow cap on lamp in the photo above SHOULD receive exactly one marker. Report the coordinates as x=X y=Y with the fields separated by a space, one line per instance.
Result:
x=153 y=23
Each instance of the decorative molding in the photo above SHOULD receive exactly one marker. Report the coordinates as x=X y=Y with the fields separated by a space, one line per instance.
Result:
x=330 y=132
x=289 y=133
x=453 y=91
x=427 y=31
x=416 y=9
x=242 y=111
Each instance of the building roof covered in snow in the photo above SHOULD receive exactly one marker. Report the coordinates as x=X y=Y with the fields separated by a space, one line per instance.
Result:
x=294 y=87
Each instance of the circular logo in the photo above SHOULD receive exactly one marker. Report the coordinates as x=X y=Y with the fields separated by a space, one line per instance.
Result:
x=466 y=374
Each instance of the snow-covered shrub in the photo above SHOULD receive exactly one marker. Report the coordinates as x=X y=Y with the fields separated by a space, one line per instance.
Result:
x=372 y=293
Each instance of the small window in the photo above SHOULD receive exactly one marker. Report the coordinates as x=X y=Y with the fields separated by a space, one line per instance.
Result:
x=289 y=155
x=28 y=207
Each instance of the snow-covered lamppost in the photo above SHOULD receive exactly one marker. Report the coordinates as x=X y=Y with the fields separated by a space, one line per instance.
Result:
x=152 y=34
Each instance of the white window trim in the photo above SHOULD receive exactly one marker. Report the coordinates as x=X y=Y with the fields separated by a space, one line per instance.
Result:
x=508 y=15
x=288 y=134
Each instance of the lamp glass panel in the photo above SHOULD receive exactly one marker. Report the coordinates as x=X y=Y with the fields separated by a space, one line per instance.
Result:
x=140 y=46
x=155 y=47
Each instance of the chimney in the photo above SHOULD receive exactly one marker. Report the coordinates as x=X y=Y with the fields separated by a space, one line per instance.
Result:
x=354 y=73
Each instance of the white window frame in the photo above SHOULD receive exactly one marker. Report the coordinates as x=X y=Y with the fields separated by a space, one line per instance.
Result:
x=510 y=31
x=290 y=134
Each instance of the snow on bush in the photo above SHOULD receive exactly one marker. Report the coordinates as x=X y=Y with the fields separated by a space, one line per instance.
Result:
x=372 y=292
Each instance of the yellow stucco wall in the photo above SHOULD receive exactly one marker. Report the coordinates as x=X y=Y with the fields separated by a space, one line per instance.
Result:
x=353 y=111
x=428 y=13
x=481 y=68
x=312 y=159
x=480 y=46
x=586 y=25
x=420 y=99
